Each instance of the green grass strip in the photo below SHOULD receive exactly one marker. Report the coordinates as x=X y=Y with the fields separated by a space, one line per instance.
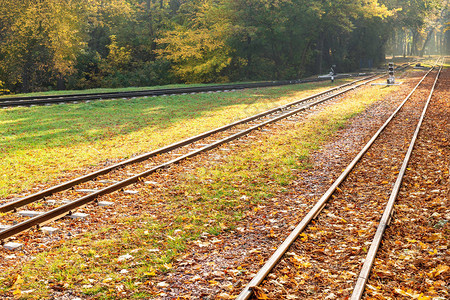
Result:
x=208 y=199
x=38 y=144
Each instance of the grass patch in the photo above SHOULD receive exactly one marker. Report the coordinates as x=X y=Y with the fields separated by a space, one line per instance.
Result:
x=111 y=90
x=37 y=144
x=211 y=198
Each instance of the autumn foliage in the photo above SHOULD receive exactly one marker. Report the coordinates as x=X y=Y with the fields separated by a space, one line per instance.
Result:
x=54 y=44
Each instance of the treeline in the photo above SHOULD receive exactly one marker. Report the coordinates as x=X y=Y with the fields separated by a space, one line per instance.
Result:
x=79 y=44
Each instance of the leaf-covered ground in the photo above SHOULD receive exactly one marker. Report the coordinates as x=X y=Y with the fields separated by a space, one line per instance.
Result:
x=325 y=262
x=46 y=144
x=414 y=259
x=197 y=230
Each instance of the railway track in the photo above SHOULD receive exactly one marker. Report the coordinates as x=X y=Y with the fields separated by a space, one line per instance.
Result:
x=55 y=99
x=322 y=257
x=67 y=197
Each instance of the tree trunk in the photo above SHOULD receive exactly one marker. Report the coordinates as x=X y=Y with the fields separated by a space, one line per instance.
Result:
x=394 y=44
x=303 y=59
x=26 y=80
x=60 y=84
x=405 y=45
x=320 y=58
x=446 y=43
x=429 y=35
x=415 y=37
x=249 y=57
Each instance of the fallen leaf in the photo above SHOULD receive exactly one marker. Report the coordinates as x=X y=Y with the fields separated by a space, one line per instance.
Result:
x=125 y=257
x=106 y=280
x=438 y=271
x=259 y=294
x=224 y=296
x=162 y=284
x=304 y=237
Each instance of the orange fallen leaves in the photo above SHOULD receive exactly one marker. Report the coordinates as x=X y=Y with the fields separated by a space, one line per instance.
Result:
x=259 y=293
x=304 y=237
x=438 y=271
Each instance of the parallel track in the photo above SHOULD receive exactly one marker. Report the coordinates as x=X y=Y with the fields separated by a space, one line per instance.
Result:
x=278 y=255
x=54 y=99
x=387 y=215
x=250 y=124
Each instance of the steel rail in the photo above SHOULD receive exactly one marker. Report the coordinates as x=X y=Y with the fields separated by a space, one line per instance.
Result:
x=318 y=207
x=13 y=205
x=33 y=100
x=49 y=99
x=66 y=209
x=389 y=210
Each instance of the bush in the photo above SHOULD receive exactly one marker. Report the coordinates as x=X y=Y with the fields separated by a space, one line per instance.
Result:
x=3 y=91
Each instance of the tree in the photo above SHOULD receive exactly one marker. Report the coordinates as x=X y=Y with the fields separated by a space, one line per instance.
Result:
x=414 y=22
x=42 y=41
x=102 y=43
x=337 y=22
x=198 y=47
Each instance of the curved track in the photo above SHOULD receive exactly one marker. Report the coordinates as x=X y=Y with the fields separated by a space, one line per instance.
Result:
x=344 y=187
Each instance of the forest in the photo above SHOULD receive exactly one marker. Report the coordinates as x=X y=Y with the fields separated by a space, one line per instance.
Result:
x=82 y=44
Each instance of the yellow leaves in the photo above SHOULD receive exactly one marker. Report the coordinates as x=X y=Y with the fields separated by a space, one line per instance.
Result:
x=304 y=237
x=412 y=294
x=213 y=282
x=16 y=285
x=224 y=296
x=434 y=252
x=438 y=271
x=19 y=281
x=151 y=273
x=423 y=245
x=200 y=50
x=408 y=293
x=188 y=226
x=361 y=232
x=272 y=234
x=17 y=292
x=372 y=9
x=434 y=237
x=118 y=57
x=107 y=280
x=404 y=256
